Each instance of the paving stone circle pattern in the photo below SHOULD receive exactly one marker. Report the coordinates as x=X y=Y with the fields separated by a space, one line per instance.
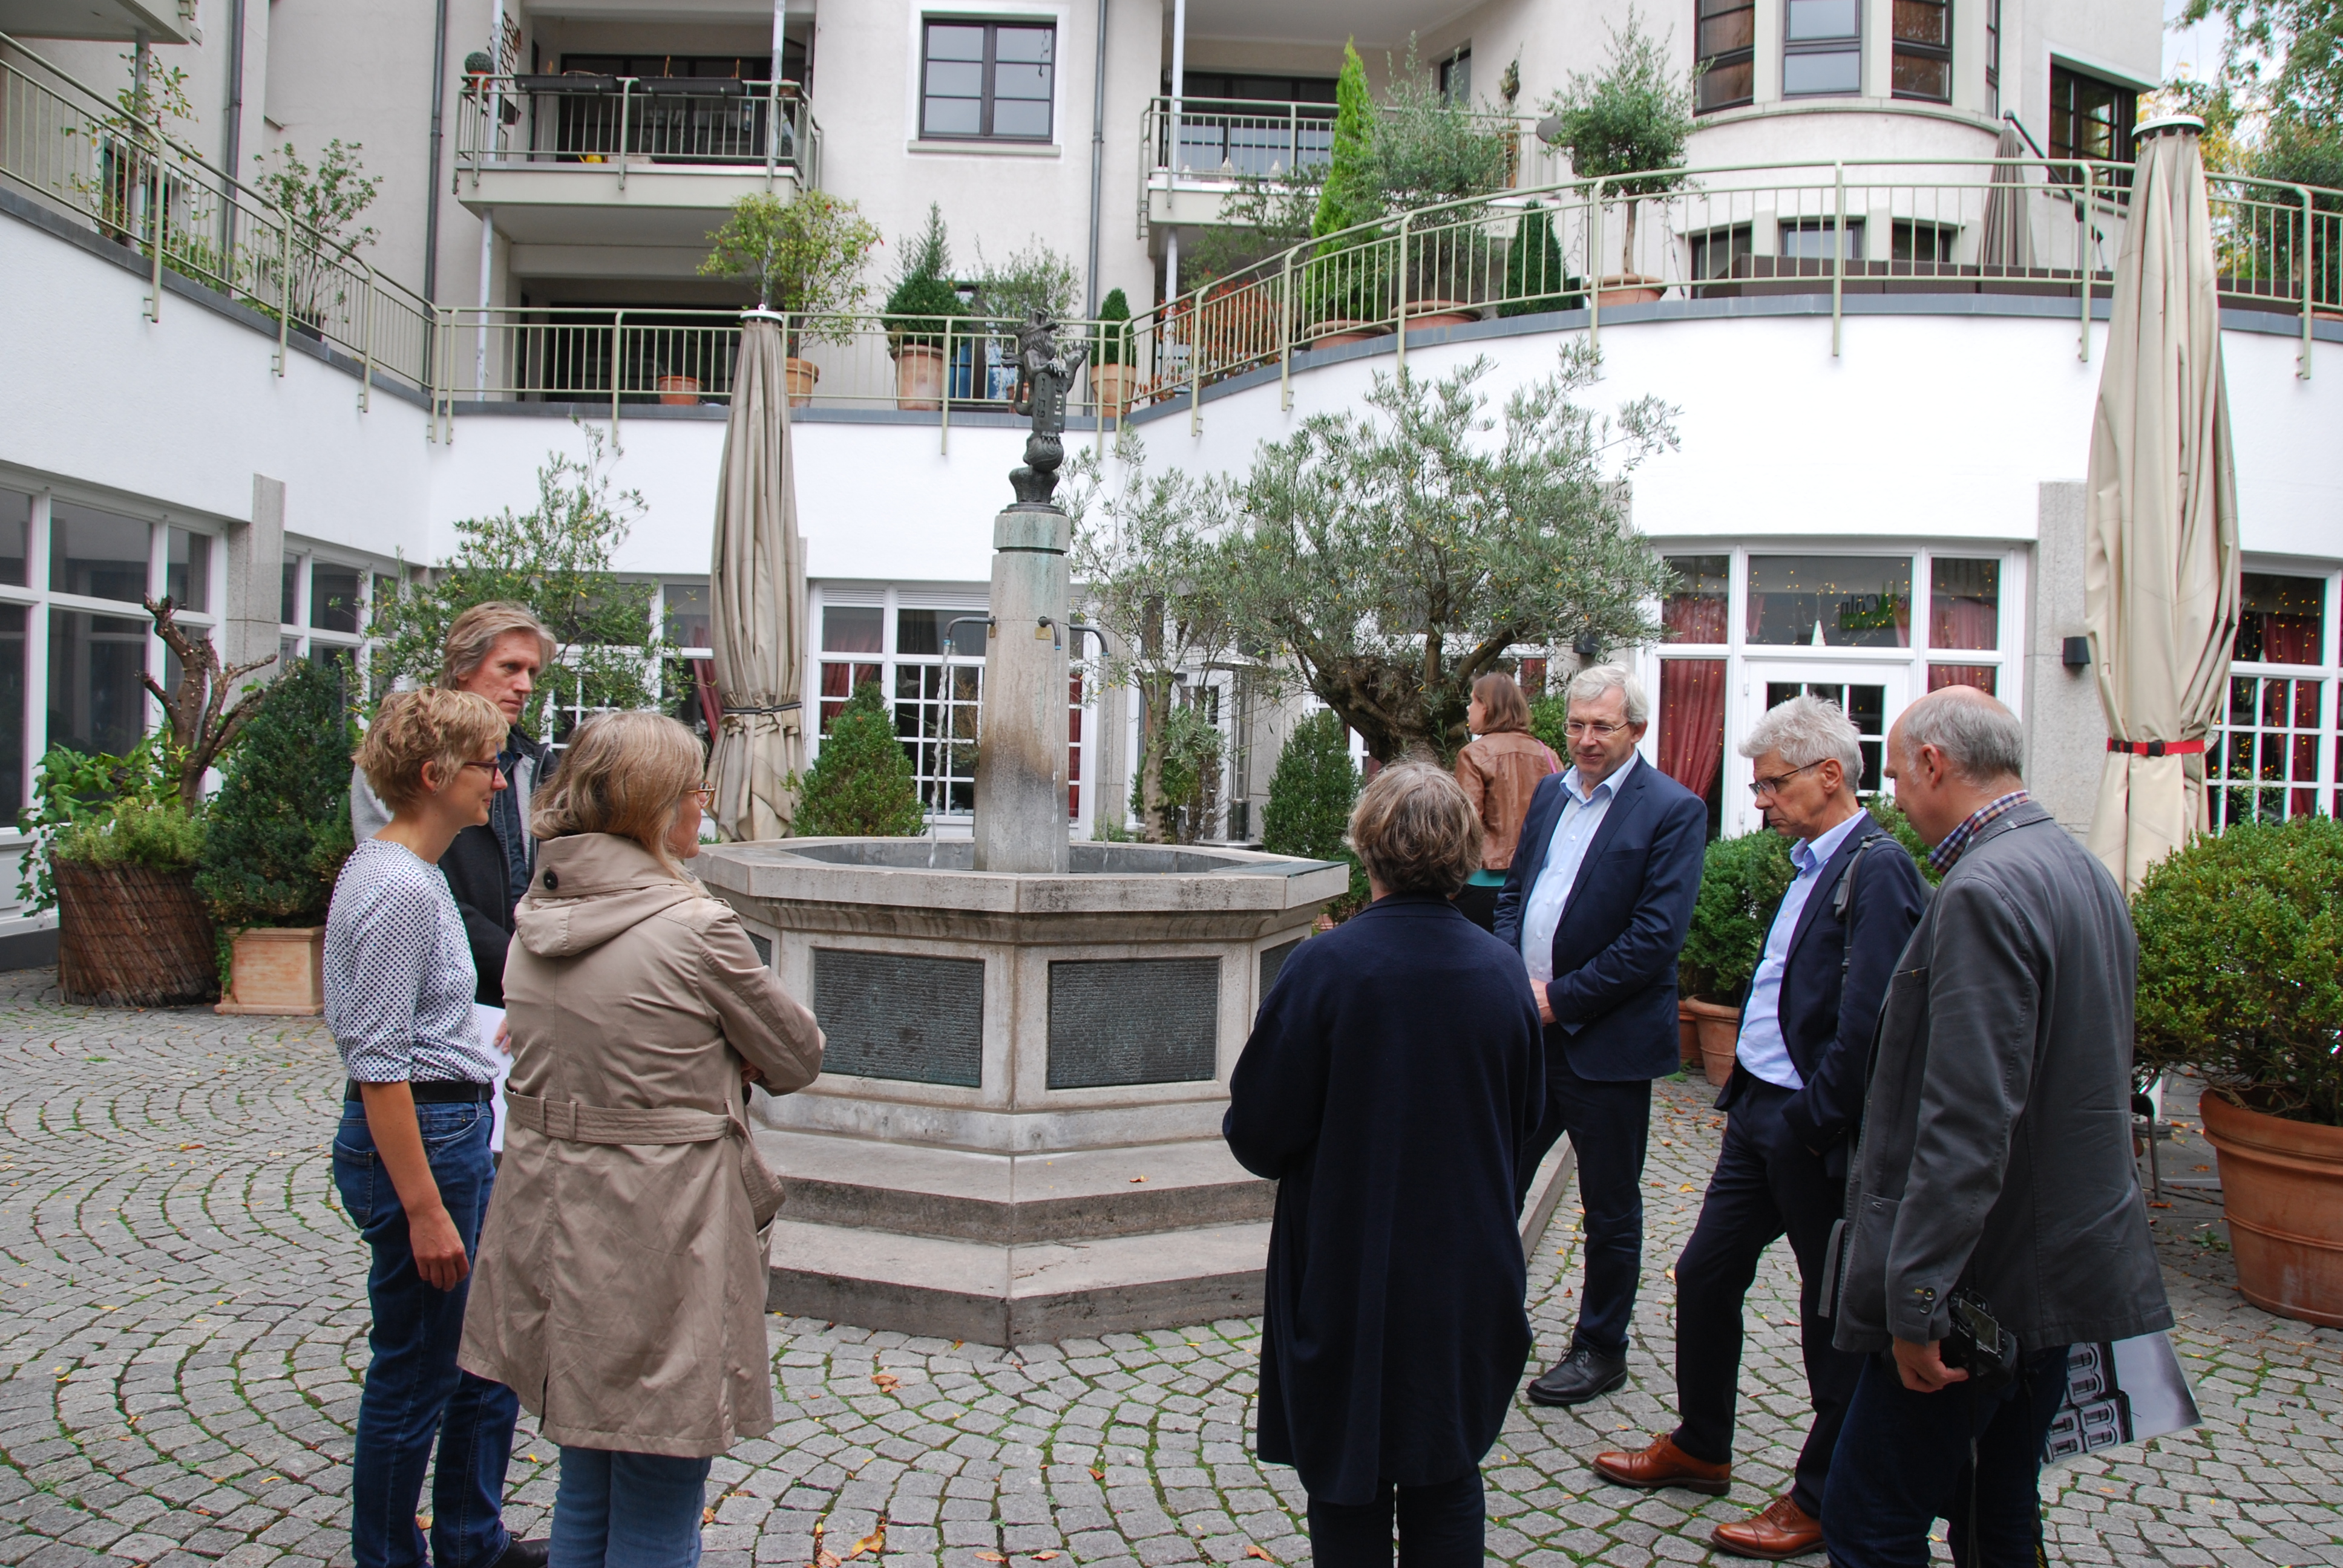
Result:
x=183 y=1329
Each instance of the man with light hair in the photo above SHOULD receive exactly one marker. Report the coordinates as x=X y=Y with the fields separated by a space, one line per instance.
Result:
x=1598 y=900
x=1993 y=1215
x=496 y=650
x=1790 y=1105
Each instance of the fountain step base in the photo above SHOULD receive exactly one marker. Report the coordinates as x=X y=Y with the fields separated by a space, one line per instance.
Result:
x=1020 y=1293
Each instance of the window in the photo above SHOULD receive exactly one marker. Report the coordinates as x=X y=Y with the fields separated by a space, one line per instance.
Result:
x=1865 y=707
x=2264 y=761
x=2090 y=118
x=1929 y=245
x=1830 y=601
x=15 y=535
x=1923 y=63
x=14 y=618
x=335 y=596
x=97 y=554
x=187 y=569
x=936 y=708
x=1721 y=253
x=1728 y=32
x=1822 y=49
x=96 y=701
x=684 y=615
x=1811 y=238
x=849 y=630
x=1993 y=57
x=1964 y=614
x=988 y=80
x=1456 y=78
x=2281 y=620
x=1697 y=611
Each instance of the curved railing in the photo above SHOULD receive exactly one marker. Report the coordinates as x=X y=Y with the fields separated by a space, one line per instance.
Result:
x=2030 y=226
x=130 y=183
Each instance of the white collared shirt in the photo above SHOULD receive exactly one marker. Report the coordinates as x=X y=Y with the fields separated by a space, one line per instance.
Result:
x=1542 y=906
x=1762 y=1049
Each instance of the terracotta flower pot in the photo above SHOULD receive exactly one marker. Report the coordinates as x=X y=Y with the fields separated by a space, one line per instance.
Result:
x=279 y=971
x=1111 y=385
x=679 y=391
x=1627 y=290
x=799 y=376
x=2282 y=1182
x=918 y=377
x=1337 y=330
x=1422 y=315
x=1687 y=1034
x=1720 y=1030
x=129 y=936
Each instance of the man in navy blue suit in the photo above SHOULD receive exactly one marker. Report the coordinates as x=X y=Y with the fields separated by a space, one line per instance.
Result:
x=1598 y=900
x=1792 y=1103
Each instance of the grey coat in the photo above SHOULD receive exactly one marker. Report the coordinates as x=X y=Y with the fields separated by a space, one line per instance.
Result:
x=1996 y=1148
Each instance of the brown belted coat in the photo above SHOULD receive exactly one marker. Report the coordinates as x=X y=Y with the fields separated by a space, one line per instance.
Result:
x=620 y=1289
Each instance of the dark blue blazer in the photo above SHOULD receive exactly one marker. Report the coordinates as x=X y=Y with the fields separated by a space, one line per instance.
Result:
x=1614 y=952
x=1828 y=1031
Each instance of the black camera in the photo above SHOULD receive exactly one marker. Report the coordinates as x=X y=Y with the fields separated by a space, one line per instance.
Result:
x=1978 y=1344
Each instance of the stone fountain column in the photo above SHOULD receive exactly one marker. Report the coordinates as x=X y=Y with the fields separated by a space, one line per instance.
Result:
x=1020 y=766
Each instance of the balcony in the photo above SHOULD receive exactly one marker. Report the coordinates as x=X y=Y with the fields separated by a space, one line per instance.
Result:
x=646 y=163
x=1193 y=159
x=162 y=21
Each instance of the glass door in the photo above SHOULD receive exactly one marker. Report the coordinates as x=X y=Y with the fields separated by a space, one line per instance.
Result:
x=1872 y=695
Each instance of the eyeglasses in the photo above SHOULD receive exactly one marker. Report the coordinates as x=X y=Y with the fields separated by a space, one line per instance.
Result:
x=1774 y=786
x=491 y=765
x=705 y=795
x=1580 y=728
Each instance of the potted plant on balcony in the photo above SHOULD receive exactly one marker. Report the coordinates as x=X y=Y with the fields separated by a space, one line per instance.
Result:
x=1630 y=119
x=1426 y=149
x=276 y=835
x=807 y=257
x=1342 y=282
x=917 y=316
x=325 y=203
x=1742 y=881
x=1111 y=369
x=2241 y=980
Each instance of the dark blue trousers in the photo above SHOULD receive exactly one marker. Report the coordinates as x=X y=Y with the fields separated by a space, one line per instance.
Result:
x=1443 y=1526
x=1903 y=1463
x=1610 y=1127
x=1764 y=1185
x=414 y=1393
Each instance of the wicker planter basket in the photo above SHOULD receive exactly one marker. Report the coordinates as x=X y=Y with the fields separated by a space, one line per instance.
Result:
x=131 y=937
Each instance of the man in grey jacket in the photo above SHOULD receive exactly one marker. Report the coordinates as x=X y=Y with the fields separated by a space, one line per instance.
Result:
x=1994 y=1159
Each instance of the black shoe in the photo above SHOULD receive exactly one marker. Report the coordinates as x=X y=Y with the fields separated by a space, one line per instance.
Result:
x=519 y=1554
x=1578 y=1377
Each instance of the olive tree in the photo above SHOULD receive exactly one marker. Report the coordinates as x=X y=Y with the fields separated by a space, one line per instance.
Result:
x=1386 y=559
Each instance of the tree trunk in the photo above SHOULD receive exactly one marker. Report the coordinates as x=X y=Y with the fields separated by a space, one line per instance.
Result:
x=1154 y=715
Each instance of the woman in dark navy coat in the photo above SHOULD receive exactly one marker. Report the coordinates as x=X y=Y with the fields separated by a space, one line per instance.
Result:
x=1393 y=1075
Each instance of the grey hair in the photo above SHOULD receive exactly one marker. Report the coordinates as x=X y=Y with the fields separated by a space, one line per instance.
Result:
x=1980 y=740
x=1589 y=685
x=1807 y=730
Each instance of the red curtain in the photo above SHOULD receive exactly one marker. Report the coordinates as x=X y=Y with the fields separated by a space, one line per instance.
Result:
x=1692 y=619
x=2289 y=639
x=711 y=708
x=1961 y=623
x=1691 y=715
x=1980 y=676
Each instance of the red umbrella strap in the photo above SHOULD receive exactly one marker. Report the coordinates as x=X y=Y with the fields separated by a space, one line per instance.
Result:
x=2157 y=748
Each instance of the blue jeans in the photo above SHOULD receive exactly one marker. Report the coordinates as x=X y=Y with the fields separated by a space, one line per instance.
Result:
x=415 y=1392
x=1443 y=1526
x=627 y=1510
x=1903 y=1462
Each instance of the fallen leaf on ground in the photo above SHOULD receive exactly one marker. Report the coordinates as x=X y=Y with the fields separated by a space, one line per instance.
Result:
x=1096 y=1475
x=887 y=1382
x=185 y=1147
x=825 y=1560
x=1136 y=1180
x=1257 y=1551
x=1043 y=1556
x=708 y=1516
x=991 y=1557
x=874 y=1543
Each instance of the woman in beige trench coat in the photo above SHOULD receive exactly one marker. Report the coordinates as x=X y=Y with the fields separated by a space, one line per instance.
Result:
x=620 y=1285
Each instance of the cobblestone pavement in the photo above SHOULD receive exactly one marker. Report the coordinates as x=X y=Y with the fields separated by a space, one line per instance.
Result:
x=181 y=1330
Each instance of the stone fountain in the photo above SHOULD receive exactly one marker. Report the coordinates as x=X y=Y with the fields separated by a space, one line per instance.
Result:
x=1016 y=1133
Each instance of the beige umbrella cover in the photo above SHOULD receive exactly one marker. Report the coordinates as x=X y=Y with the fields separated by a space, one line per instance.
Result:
x=2160 y=581
x=2007 y=241
x=756 y=599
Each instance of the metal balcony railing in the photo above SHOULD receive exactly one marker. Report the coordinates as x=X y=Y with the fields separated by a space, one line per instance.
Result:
x=635 y=359
x=2037 y=226
x=119 y=176
x=611 y=123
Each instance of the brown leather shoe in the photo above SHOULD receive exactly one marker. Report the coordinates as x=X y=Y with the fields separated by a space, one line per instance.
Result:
x=1784 y=1530
x=1665 y=1465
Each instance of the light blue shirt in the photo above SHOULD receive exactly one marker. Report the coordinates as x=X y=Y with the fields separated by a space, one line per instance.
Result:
x=1762 y=1049
x=1582 y=815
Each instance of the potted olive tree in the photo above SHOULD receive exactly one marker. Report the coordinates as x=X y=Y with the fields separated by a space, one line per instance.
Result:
x=1630 y=119
x=806 y=257
x=920 y=309
x=278 y=832
x=2241 y=981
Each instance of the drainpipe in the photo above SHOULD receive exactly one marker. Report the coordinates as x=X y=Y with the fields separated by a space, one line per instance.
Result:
x=234 y=147
x=1178 y=89
x=431 y=191
x=1098 y=156
x=496 y=107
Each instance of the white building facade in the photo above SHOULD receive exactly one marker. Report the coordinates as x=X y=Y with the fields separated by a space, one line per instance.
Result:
x=1883 y=429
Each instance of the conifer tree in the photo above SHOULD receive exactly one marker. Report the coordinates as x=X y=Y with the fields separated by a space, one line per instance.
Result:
x=1310 y=800
x=860 y=786
x=279 y=826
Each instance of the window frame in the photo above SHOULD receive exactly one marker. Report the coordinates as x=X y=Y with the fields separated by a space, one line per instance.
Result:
x=1900 y=47
x=2066 y=119
x=1837 y=43
x=1703 y=13
x=2324 y=732
x=986 y=97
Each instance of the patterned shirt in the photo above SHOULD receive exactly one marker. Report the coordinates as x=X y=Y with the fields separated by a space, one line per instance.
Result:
x=1943 y=856
x=398 y=972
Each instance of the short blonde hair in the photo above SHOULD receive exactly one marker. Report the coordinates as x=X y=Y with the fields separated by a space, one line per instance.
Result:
x=622 y=773
x=415 y=728
x=474 y=637
x=1415 y=831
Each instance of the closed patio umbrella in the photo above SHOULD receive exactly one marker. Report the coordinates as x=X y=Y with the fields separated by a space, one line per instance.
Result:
x=2160 y=577
x=756 y=599
x=2007 y=241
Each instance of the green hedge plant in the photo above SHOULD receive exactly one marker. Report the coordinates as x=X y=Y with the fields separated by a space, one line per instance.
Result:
x=923 y=296
x=97 y=809
x=860 y=787
x=2241 y=967
x=1742 y=881
x=1310 y=800
x=280 y=825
